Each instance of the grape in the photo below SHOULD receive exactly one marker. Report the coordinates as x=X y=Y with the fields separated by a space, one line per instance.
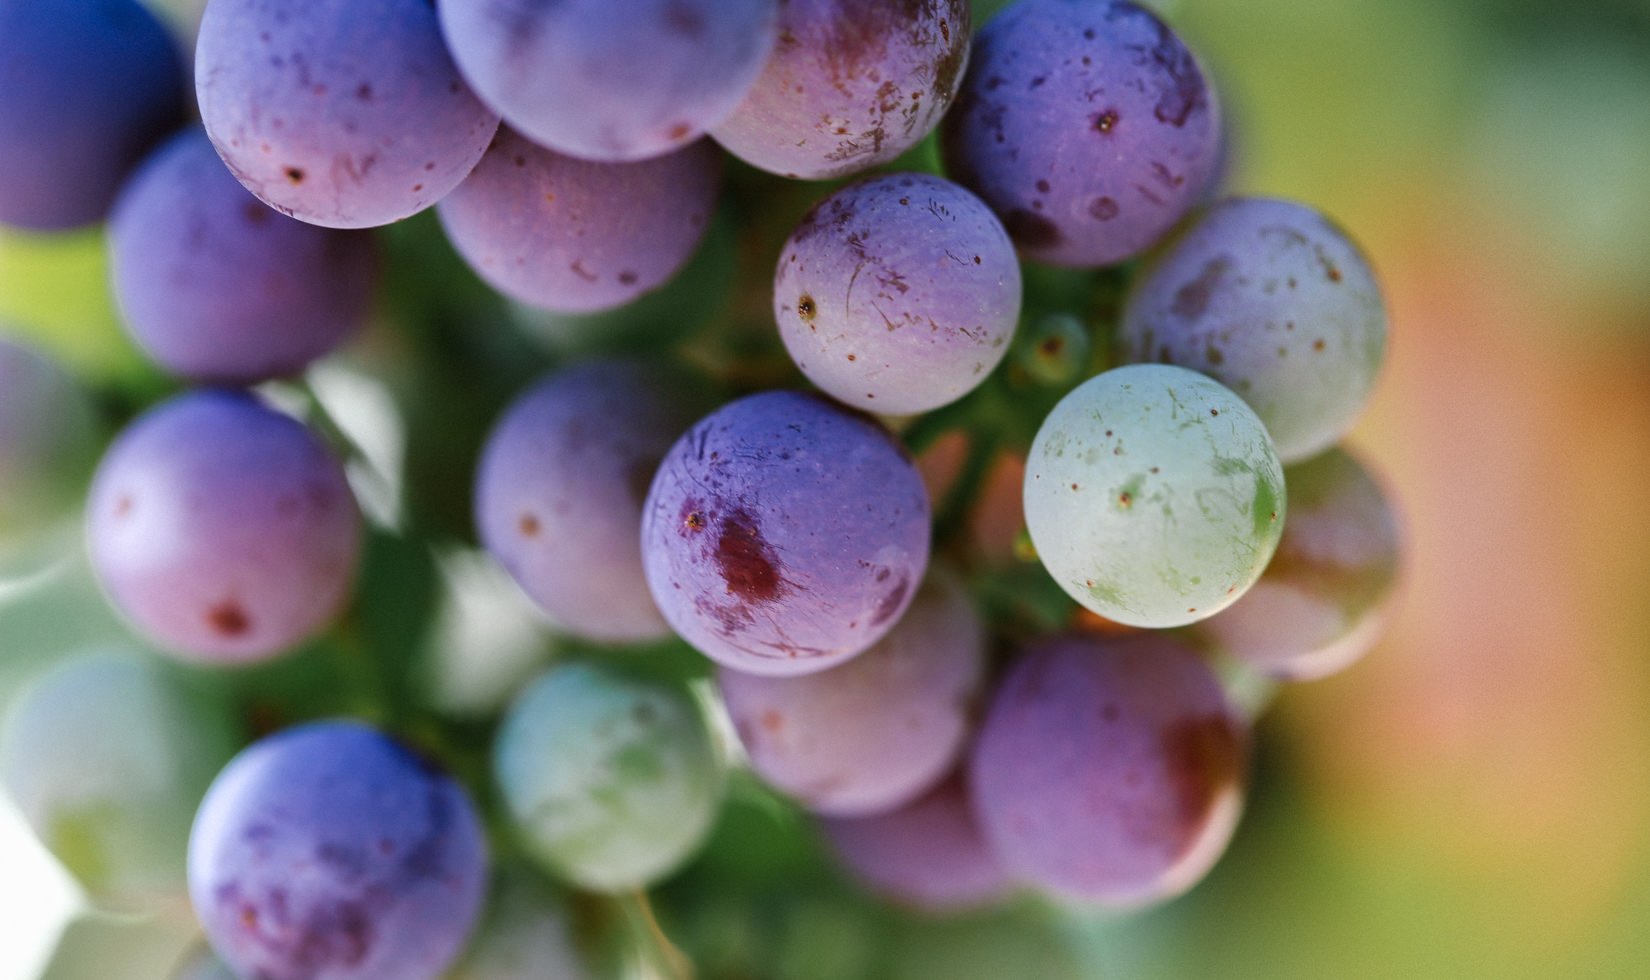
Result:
x=86 y=87
x=874 y=733
x=569 y=235
x=784 y=535
x=928 y=853
x=330 y=850
x=611 y=80
x=342 y=113
x=560 y=488
x=48 y=444
x=1322 y=602
x=215 y=286
x=1087 y=125
x=107 y=757
x=1272 y=300
x=850 y=85
x=610 y=783
x=938 y=293
x=1153 y=496
x=223 y=530
x=1109 y=770
x=525 y=933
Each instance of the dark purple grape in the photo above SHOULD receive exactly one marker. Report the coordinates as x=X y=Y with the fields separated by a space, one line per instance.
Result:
x=86 y=87
x=898 y=294
x=928 y=853
x=574 y=236
x=215 y=286
x=872 y=734
x=850 y=85
x=330 y=850
x=560 y=488
x=611 y=79
x=785 y=535
x=1109 y=770
x=1087 y=125
x=342 y=113
x=223 y=530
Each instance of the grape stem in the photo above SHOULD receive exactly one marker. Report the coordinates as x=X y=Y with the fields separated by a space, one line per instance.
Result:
x=656 y=948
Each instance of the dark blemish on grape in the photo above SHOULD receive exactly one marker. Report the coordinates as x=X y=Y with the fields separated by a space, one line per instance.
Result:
x=294 y=175
x=529 y=526
x=1215 y=358
x=1088 y=33
x=905 y=202
x=889 y=605
x=1214 y=411
x=1105 y=122
x=1074 y=486
x=678 y=131
x=1334 y=274
x=521 y=161
x=364 y=92
x=1038 y=82
x=1103 y=209
x=228 y=618
x=627 y=278
x=430 y=166
x=976 y=260
x=453 y=87
x=1125 y=500
x=578 y=268
x=1042 y=186
x=1032 y=230
x=746 y=561
x=773 y=721
x=853 y=357
x=123 y=507
x=1192 y=300
x=1318 y=345
x=695 y=521
x=806 y=309
x=1154 y=471
x=684 y=19
x=1204 y=758
x=1150 y=195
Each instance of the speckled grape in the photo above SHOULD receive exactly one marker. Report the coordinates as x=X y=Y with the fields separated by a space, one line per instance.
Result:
x=784 y=535
x=223 y=530
x=560 y=489
x=107 y=757
x=850 y=85
x=874 y=733
x=574 y=236
x=48 y=446
x=1153 y=495
x=1109 y=771
x=86 y=87
x=1274 y=301
x=1087 y=125
x=928 y=854
x=1324 y=598
x=898 y=294
x=217 y=287
x=332 y=851
x=611 y=783
x=611 y=79
x=345 y=113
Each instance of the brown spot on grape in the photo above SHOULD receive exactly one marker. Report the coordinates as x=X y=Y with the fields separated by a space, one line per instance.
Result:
x=627 y=278
x=695 y=521
x=1214 y=411
x=529 y=526
x=1318 y=345
x=1192 y=299
x=1103 y=209
x=746 y=561
x=1043 y=186
x=294 y=175
x=364 y=92
x=1105 y=122
x=806 y=309
x=228 y=618
x=123 y=506
x=853 y=357
x=678 y=131
x=773 y=721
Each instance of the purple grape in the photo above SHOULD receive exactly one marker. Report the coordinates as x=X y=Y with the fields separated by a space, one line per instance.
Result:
x=86 y=87
x=928 y=854
x=611 y=80
x=850 y=85
x=560 y=488
x=48 y=446
x=784 y=535
x=874 y=733
x=1274 y=301
x=215 y=286
x=1087 y=125
x=574 y=236
x=223 y=530
x=898 y=294
x=1109 y=770
x=329 y=850
x=344 y=113
x=1324 y=599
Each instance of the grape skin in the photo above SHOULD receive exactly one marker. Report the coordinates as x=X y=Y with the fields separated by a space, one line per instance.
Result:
x=48 y=445
x=560 y=488
x=1109 y=771
x=610 y=783
x=872 y=734
x=1153 y=496
x=1088 y=126
x=784 y=535
x=343 y=113
x=330 y=850
x=86 y=87
x=573 y=236
x=611 y=80
x=1274 y=301
x=224 y=531
x=215 y=286
x=898 y=294
x=851 y=84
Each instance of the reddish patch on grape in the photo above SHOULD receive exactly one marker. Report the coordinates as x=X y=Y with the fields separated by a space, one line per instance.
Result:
x=1103 y=209
x=746 y=561
x=1204 y=758
x=229 y=619
x=889 y=605
x=773 y=721
x=529 y=525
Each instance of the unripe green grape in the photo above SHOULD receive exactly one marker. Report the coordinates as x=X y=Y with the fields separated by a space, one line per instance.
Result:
x=48 y=444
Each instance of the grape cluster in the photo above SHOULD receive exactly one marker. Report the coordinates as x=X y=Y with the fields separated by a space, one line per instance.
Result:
x=980 y=605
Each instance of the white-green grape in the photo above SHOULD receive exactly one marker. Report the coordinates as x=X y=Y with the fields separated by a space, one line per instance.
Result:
x=611 y=783
x=1154 y=495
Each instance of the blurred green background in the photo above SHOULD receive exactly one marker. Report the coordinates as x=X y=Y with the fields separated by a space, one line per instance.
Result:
x=1473 y=800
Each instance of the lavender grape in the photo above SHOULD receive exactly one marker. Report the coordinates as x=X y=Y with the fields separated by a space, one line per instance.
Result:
x=898 y=294
x=784 y=535
x=850 y=85
x=217 y=287
x=1088 y=126
x=341 y=113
